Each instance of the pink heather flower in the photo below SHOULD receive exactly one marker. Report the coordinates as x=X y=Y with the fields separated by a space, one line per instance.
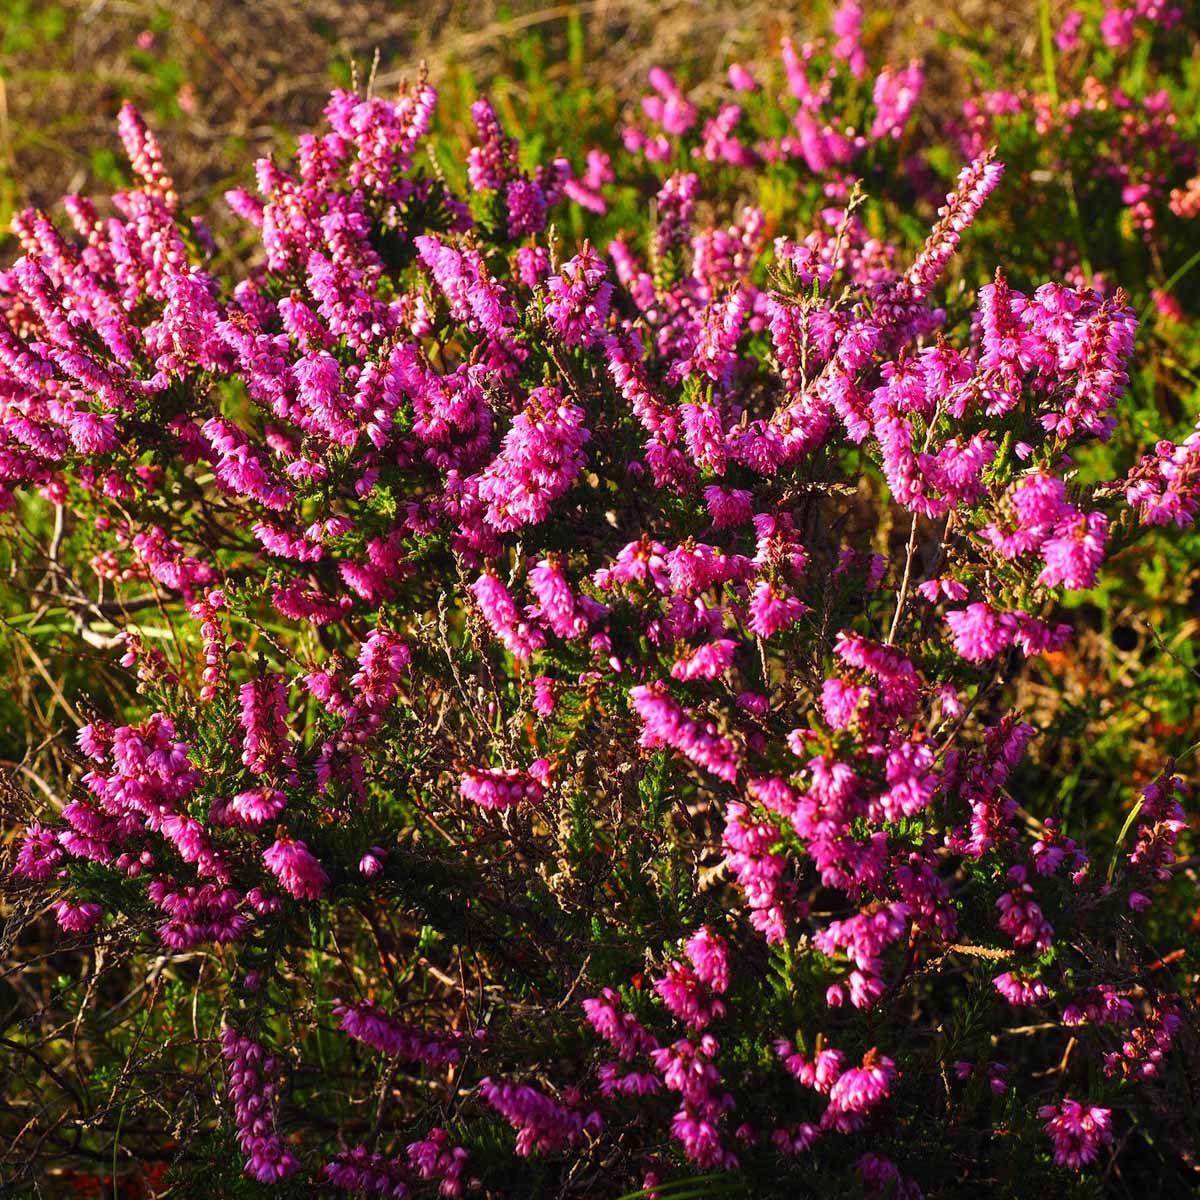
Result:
x=518 y=636
x=676 y=203
x=496 y=788
x=687 y=1067
x=557 y=605
x=1018 y=988
x=1165 y=486
x=473 y=295
x=494 y=157
x=820 y=1074
x=687 y=997
x=700 y=1136
x=1053 y=849
x=1167 y=306
x=857 y=1091
x=539 y=459
x=614 y=1082
x=846 y=26
x=77 y=918
x=1075 y=551
x=578 y=298
x=1100 y=1005
x=1077 y=1131
x=369 y=1024
x=145 y=154
x=92 y=433
x=254 y=1093
x=1039 y=506
x=382 y=660
x=952 y=589
x=371 y=862
x=622 y=1030
x=840 y=701
x=796 y=1139
x=262 y=903
x=298 y=872
x=542 y=1124
x=543 y=695
x=728 y=508
x=709 y=955
x=757 y=871
x=432 y=1159
x=1021 y=916
x=95 y=740
x=979 y=632
x=1116 y=26
x=599 y=169
x=1162 y=820
x=773 y=609
x=257 y=806
x=585 y=197
x=527 y=203
x=1147 y=1043
x=264 y=723
x=197 y=914
x=666 y=723
x=882 y=1178
x=669 y=108
x=741 y=80
x=39 y=854
x=975 y=183
x=896 y=94
x=864 y=989
x=533 y=262
x=864 y=937
x=1066 y=38
x=708 y=661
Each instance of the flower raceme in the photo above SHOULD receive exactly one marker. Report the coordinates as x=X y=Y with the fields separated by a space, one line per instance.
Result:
x=518 y=579
x=1077 y=1131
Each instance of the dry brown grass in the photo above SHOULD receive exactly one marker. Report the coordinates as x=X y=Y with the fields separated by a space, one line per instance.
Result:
x=250 y=70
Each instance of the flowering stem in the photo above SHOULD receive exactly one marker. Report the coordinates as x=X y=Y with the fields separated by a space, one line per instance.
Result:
x=1129 y=820
x=903 y=595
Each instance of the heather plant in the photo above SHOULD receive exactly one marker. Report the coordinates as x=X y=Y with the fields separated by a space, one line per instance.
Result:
x=581 y=734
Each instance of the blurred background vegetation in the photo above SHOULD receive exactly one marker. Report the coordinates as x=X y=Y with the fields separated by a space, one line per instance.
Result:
x=223 y=81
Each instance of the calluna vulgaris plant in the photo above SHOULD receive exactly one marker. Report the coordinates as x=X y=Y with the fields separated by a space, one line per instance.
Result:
x=614 y=638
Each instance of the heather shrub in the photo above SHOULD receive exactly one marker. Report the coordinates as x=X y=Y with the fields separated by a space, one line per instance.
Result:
x=596 y=633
